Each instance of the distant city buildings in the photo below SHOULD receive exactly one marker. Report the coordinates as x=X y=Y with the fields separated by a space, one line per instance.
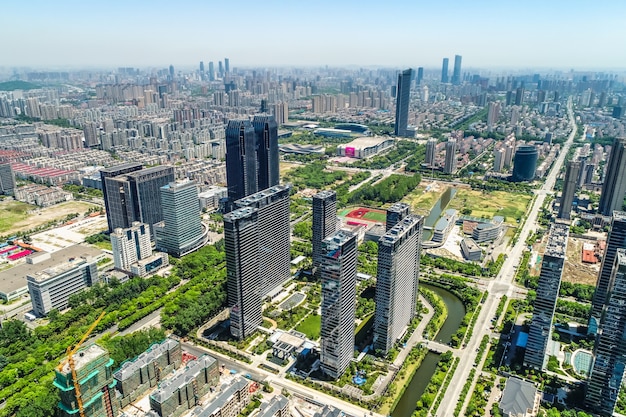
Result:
x=338 y=275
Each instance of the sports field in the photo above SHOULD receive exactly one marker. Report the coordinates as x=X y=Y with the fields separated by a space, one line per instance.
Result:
x=364 y=213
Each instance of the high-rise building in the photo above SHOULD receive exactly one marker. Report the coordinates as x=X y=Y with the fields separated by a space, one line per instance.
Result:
x=444 y=71
x=450 y=162
x=456 y=74
x=569 y=189
x=227 y=66
x=525 y=163
x=420 y=75
x=135 y=197
x=111 y=173
x=403 y=96
x=211 y=71
x=201 y=66
x=280 y=111
x=493 y=113
x=338 y=273
x=274 y=231
x=172 y=73
x=431 y=152
x=519 y=96
x=610 y=349
x=395 y=214
x=220 y=69
x=7 y=178
x=181 y=230
x=540 y=331
x=130 y=245
x=614 y=186
x=615 y=241
x=91 y=131
x=241 y=160
x=324 y=222
x=93 y=375
x=243 y=279
x=266 y=132
x=498 y=160
x=397 y=279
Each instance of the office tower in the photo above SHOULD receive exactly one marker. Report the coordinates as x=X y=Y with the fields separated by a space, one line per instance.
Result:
x=509 y=98
x=498 y=160
x=403 y=97
x=243 y=279
x=51 y=288
x=582 y=172
x=266 y=132
x=618 y=112
x=444 y=71
x=569 y=189
x=431 y=152
x=397 y=279
x=614 y=185
x=93 y=378
x=201 y=66
x=420 y=75
x=395 y=214
x=615 y=241
x=211 y=71
x=456 y=74
x=136 y=196
x=280 y=111
x=610 y=348
x=338 y=272
x=493 y=113
x=172 y=71
x=324 y=222
x=540 y=331
x=525 y=163
x=241 y=161
x=181 y=231
x=450 y=162
x=275 y=233
x=226 y=66
x=220 y=69
x=519 y=96
x=111 y=173
x=7 y=178
x=130 y=245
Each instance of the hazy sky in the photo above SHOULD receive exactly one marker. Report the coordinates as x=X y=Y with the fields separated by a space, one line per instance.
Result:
x=487 y=33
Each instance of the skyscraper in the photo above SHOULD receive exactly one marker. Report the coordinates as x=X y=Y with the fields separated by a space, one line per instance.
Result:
x=324 y=222
x=431 y=152
x=540 y=331
x=519 y=96
x=456 y=74
x=227 y=66
x=136 y=196
x=525 y=163
x=111 y=173
x=610 y=348
x=420 y=75
x=172 y=73
x=220 y=69
x=444 y=71
x=395 y=214
x=243 y=279
x=181 y=231
x=241 y=161
x=266 y=132
x=274 y=231
x=338 y=272
x=397 y=279
x=130 y=245
x=569 y=189
x=211 y=71
x=403 y=96
x=7 y=178
x=614 y=186
x=201 y=66
x=450 y=162
x=615 y=241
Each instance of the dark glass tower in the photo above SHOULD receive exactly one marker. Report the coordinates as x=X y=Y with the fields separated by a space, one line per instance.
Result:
x=420 y=75
x=395 y=214
x=266 y=131
x=569 y=189
x=403 y=95
x=241 y=160
x=456 y=74
x=111 y=173
x=324 y=222
x=525 y=163
x=610 y=348
x=614 y=186
x=444 y=71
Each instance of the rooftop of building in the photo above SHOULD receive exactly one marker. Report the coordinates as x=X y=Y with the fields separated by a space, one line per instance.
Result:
x=212 y=190
x=334 y=241
x=227 y=391
x=366 y=141
x=179 y=185
x=56 y=270
x=619 y=215
x=470 y=244
x=329 y=411
x=400 y=229
x=240 y=213
x=557 y=240
x=272 y=407
x=518 y=397
x=130 y=367
x=121 y=167
x=84 y=357
x=168 y=387
x=261 y=195
x=15 y=278
x=399 y=207
x=325 y=194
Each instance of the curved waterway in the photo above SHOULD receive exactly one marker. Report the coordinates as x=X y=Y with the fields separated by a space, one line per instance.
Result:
x=421 y=378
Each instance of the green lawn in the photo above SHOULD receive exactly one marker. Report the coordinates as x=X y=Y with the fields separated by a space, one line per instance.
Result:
x=106 y=245
x=375 y=216
x=12 y=212
x=495 y=203
x=311 y=326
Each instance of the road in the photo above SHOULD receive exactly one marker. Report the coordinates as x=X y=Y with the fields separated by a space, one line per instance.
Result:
x=503 y=283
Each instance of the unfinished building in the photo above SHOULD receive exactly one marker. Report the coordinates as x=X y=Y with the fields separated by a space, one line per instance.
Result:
x=231 y=400
x=184 y=389
x=135 y=377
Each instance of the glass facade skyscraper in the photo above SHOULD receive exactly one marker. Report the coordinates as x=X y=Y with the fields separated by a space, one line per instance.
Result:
x=614 y=186
x=456 y=73
x=403 y=99
x=324 y=222
x=444 y=70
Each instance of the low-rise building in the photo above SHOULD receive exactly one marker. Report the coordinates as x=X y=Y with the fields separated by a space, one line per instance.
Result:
x=519 y=398
x=41 y=195
x=484 y=232
x=210 y=198
x=278 y=406
x=444 y=225
x=231 y=400
x=365 y=146
x=471 y=251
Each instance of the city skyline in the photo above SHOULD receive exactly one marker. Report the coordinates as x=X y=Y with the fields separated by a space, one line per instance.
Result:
x=63 y=34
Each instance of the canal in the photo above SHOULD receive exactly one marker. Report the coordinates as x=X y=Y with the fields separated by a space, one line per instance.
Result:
x=435 y=212
x=421 y=378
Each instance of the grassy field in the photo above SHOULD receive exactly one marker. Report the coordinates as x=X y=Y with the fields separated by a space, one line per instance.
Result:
x=310 y=326
x=496 y=203
x=421 y=202
x=12 y=212
x=286 y=166
x=375 y=216
x=103 y=245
